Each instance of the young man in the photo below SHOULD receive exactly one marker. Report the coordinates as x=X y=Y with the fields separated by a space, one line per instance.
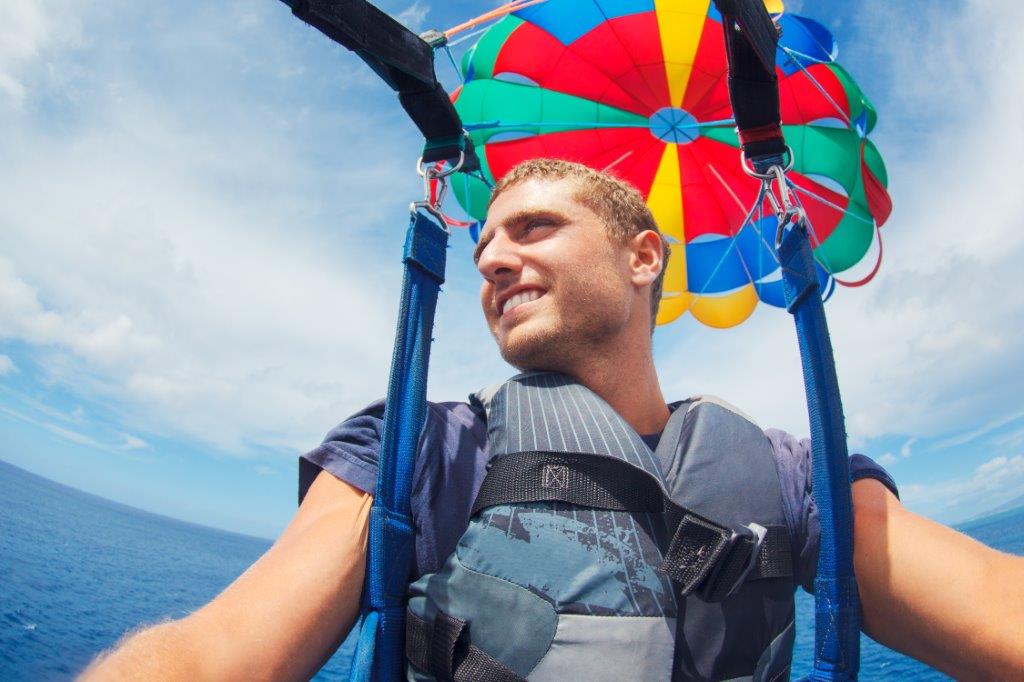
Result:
x=572 y=265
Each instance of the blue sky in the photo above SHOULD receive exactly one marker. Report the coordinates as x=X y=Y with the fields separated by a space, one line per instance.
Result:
x=201 y=215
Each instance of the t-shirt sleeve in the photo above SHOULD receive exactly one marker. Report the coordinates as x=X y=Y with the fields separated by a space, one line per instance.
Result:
x=350 y=452
x=793 y=461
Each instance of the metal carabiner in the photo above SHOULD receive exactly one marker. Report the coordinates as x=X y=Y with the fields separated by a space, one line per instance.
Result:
x=775 y=188
x=432 y=172
x=787 y=210
x=748 y=167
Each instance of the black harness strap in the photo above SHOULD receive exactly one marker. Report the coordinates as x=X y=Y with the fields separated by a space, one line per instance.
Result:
x=712 y=561
x=404 y=61
x=703 y=558
x=439 y=648
x=582 y=479
x=753 y=85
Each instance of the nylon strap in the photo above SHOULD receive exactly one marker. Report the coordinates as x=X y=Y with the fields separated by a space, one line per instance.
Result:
x=711 y=560
x=404 y=61
x=439 y=648
x=582 y=479
x=753 y=90
x=704 y=557
x=750 y=41
x=379 y=653
x=836 y=601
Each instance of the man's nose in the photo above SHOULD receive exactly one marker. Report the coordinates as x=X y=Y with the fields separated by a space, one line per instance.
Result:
x=499 y=258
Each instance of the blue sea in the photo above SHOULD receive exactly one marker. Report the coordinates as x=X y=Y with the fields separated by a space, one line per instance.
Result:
x=78 y=571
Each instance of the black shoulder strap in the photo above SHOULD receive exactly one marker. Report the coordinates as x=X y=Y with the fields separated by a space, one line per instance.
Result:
x=405 y=62
x=750 y=42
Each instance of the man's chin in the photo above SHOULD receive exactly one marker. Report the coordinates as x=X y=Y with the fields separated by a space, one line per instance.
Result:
x=532 y=352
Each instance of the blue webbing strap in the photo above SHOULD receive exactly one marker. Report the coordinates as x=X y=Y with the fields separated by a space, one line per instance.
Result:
x=836 y=602
x=380 y=654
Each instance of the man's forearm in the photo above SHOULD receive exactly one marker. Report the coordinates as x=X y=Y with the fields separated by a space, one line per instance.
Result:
x=936 y=594
x=166 y=651
x=279 y=620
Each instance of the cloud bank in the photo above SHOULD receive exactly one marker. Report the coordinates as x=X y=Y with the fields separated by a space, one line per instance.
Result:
x=201 y=231
x=198 y=247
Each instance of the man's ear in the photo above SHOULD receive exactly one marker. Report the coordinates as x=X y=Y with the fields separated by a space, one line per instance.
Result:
x=646 y=257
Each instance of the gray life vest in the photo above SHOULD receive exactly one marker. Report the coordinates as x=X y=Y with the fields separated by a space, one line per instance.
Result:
x=590 y=557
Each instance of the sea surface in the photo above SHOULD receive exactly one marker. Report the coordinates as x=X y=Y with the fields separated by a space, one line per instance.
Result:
x=78 y=571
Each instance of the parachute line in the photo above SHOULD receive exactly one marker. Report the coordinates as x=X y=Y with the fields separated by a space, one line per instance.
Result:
x=616 y=161
x=816 y=84
x=826 y=202
x=790 y=51
x=496 y=13
x=626 y=50
x=728 y=250
x=469 y=36
x=757 y=207
x=455 y=66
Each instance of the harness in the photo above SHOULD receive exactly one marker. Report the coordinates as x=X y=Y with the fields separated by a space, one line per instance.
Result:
x=405 y=62
x=588 y=556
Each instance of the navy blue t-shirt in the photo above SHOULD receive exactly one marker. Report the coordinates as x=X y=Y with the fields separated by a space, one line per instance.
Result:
x=452 y=462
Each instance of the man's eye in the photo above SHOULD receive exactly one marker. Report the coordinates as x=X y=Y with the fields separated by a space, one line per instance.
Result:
x=538 y=222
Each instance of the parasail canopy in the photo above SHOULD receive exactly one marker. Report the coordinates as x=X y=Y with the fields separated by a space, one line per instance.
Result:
x=639 y=88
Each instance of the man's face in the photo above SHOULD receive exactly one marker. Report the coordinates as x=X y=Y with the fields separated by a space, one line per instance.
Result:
x=556 y=289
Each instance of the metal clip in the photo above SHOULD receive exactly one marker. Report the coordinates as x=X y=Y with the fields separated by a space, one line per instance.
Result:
x=776 y=189
x=749 y=169
x=432 y=172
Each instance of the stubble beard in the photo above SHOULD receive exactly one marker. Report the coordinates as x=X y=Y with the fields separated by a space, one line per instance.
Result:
x=588 y=319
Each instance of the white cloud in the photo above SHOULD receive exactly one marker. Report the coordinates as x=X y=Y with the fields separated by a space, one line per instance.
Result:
x=30 y=30
x=6 y=364
x=73 y=436
x=992 y=483
x=1012 y=440
x=414 y=16
x=130 y=442
x=161 y=296
x=887 y=459
x=978 y=432
x=123 y=444
x=23 y=29
x=205 y=257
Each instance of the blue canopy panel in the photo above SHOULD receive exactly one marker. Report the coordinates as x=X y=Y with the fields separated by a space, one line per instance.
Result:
x=812 y=43
x=569 y=21
x=717 y=264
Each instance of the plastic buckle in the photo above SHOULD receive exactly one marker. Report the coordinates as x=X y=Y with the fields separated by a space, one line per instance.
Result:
x=753 y=534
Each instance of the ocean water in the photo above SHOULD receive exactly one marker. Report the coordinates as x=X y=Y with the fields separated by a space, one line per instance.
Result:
x=78 y=571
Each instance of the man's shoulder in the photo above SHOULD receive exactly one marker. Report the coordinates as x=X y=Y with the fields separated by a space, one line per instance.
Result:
x=454 y=434
x=709 y=399
x=457 y=411
x=370 y=419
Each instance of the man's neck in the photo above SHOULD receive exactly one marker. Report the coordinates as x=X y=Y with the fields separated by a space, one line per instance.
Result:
x=628 y=382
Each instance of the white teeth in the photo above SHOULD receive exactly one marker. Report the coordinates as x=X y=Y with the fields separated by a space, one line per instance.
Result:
x=520 y=298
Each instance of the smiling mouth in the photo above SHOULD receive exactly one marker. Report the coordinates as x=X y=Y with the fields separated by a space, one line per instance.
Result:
x=519 y=299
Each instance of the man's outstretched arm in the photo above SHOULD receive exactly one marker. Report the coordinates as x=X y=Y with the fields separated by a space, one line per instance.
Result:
x=281 y=619
x=936 y=594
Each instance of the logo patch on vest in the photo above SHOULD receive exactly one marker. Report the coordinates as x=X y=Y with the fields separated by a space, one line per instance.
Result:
x=555 y=476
